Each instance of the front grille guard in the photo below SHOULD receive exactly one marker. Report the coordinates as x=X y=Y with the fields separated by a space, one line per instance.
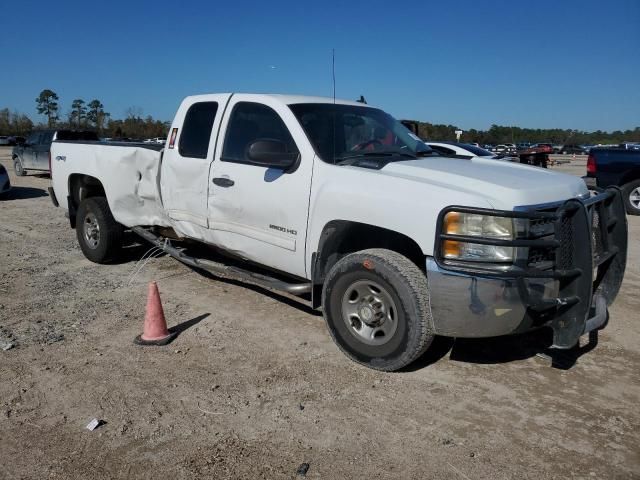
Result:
x=581 y=243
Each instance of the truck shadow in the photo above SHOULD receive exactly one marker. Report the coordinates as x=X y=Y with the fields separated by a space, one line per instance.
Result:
x=23 y=193
x=504 y=349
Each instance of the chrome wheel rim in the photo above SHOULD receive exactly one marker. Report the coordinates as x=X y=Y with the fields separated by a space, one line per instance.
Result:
x=369 y=312
x=18 y=168
x=634 y=198
x=91 y=231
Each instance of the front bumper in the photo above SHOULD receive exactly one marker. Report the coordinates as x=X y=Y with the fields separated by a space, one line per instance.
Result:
x=570 y=293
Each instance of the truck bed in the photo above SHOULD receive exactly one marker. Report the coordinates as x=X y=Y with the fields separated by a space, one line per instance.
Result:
x=128 y=172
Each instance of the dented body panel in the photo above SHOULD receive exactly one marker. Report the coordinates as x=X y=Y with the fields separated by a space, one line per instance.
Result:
x=128 y=174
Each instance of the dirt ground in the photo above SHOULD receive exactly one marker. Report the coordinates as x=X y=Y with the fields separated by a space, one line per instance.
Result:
x=253 y=386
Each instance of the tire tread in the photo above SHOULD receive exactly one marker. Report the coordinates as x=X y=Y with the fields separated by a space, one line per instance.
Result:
x=416 y=280
x=111 y=232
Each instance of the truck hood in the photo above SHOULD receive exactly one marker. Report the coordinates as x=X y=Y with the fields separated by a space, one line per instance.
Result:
x=504 y=185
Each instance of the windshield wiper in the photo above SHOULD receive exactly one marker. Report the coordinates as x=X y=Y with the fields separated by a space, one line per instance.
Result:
x=340 y=160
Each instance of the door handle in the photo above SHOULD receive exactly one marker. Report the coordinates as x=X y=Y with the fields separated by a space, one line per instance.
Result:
x=223 y=182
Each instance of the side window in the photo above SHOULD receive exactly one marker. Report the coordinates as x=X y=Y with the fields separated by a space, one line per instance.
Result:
x=250 y=122
x=33 y=138
x=46 y=138
x=196 y=129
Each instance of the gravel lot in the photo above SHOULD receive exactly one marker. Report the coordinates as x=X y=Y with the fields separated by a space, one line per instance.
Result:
x=254 y=387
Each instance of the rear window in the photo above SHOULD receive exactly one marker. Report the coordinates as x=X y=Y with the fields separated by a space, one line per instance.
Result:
x=196 y=130
x=45 y=138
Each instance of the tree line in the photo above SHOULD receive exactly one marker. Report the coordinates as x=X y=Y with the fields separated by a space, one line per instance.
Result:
x=500 y=134
x=14 y=123
x=92 y=115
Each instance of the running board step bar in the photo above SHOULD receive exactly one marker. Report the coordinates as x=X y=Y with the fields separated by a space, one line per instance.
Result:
x=164 y=244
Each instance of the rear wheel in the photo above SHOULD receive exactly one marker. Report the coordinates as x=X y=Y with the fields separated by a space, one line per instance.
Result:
x=376 y=306
x=631 y=193
x=17 y=167
x=99 y=235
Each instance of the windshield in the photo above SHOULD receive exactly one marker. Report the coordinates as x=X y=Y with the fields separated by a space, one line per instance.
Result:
x=357 y=132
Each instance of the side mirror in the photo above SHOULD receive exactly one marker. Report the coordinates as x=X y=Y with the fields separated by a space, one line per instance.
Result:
x=272 y=153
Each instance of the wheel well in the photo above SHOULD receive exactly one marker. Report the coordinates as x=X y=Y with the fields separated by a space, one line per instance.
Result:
x=341 y=237
x=84 y=186
x=80 y=187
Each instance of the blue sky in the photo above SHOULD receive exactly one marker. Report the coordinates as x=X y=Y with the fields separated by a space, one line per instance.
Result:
x=567 y=64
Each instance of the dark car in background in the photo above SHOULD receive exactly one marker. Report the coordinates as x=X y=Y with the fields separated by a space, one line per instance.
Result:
x=34 y=152
x=573 y=150
x=620 y=167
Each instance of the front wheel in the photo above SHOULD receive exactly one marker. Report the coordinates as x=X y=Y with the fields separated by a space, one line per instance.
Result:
x=631 y=193
x=376 y=306
x=99 y=235
x=18 y=168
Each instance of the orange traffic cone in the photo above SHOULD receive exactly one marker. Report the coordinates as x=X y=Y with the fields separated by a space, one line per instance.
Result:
x=155 y=326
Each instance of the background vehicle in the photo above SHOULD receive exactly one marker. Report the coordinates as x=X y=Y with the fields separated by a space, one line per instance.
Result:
x=503 y=149
x=34 y=153
x=5 y=140
x=573 y=149
x=5 y=184
x=461 y=150
x=237 y=177
x=541 y=148
x=160 y=140
x=630 y=145
x=619 y=167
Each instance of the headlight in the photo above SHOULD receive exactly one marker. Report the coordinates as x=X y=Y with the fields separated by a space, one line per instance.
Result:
x=482 y=226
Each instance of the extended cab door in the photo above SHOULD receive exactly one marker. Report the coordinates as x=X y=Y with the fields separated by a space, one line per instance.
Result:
x=256 y=212
x=185 y=166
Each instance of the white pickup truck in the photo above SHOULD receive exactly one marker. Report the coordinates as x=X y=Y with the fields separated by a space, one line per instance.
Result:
x=339 y=203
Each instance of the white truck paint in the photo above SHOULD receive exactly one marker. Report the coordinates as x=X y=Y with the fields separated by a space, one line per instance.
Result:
x=275 y=217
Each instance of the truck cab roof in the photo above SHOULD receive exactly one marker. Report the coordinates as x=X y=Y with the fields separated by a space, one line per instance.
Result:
x=285 y=99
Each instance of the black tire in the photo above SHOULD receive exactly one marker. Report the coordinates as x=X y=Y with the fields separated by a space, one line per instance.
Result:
x=631 y=188
x=104 y=246
x=406 y=287
x=17 y=167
